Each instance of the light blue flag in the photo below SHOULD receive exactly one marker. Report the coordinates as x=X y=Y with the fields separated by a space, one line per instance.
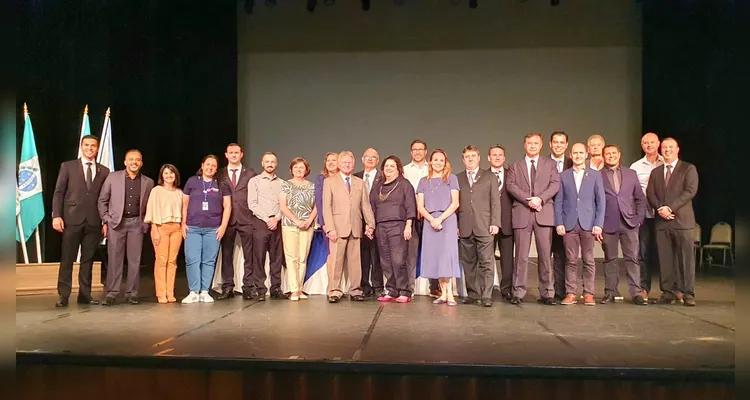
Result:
x=29 y=183
x=85 y=128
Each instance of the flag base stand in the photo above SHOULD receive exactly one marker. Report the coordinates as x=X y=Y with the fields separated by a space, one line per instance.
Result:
x=41 y=278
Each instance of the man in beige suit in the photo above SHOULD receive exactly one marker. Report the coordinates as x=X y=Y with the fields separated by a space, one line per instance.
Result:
x=345 y=204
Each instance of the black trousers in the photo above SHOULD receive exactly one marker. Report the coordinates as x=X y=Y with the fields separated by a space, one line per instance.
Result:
x=87 y=237
x=648 y=253
x=372 y=272
x=266 y=241
x=677 y=261
x=227 y=256
x=558 y=264
x=394 y=252
x=477 y=257
x=505 y=244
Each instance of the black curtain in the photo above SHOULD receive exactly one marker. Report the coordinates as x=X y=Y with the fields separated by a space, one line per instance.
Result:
x=167 y=69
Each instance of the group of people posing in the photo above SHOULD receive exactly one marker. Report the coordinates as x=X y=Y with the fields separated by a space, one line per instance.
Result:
x=382 y=219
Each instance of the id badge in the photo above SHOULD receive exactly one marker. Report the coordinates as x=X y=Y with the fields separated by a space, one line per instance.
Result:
x=205 y=206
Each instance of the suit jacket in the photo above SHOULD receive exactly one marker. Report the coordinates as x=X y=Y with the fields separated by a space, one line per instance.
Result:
x=71 y=200
x=567 y=162
x=378 y=180
x=585 y=206
x=241 y=213
x=506 y=205
x=546 y=185
x=111 y=202
x=478 y=204
x=678 y=195
x=344 y=210
x=629 y=203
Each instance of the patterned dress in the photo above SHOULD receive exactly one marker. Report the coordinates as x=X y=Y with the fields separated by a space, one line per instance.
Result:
x=300 y=199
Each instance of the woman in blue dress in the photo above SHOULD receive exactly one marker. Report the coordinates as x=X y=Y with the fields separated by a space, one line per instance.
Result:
x=437 y=202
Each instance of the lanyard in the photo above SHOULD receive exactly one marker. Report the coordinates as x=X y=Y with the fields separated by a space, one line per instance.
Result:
x=205 y=191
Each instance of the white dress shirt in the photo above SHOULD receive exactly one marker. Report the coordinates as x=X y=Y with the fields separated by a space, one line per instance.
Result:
x=471 y=175
x=643 y=169
x=673 y=164
x=369 y=178
x=344 y=176
x=501 y=172
x=578 y=177
x=229 y=172
x=85 y=168
x=528 y=165
x=414 y=173
x=560 y=163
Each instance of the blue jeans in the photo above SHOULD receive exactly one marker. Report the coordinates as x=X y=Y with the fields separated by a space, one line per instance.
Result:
x=201 y=250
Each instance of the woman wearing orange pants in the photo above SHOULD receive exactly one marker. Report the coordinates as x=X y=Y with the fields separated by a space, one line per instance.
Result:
x=164 y=213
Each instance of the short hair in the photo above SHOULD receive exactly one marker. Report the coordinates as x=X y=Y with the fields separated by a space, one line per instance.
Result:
x=446 y=169
x=94 y=137
x=234 y=145
x=298 y=160
x=495 y=146
x=324 y=171
x=469 y=148
x=558 y=133
x=133 y=151
x=160 y=180
x=399 y=164
x=532 y=134
x=269 y=153
x=418 y=141
x=672 y=139
x=600 y=137
x=612 y=145
x=346 y=153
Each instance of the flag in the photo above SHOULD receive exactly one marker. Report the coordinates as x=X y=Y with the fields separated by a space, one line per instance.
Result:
x=29 y=186
x=106 y=156
x=85 y=128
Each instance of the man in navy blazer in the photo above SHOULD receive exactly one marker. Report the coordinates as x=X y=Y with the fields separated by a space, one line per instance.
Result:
x=579 y=216
x=624 y=214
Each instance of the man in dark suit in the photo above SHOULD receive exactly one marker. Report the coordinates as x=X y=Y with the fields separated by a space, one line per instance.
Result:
x=236 y=176
x=76 y=216
x=372 y=281
x=122 y=207
x=504 y=239
x=478 y=221
x=532 y=183
x=558 y=145
x=624 y=213
x=670 y=191
x=579 y=216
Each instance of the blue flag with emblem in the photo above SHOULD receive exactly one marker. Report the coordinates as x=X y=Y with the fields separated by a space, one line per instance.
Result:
x=30 y=198
x=85 y=128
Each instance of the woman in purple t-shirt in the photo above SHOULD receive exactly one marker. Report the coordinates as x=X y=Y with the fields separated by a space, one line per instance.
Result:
x=206 y=206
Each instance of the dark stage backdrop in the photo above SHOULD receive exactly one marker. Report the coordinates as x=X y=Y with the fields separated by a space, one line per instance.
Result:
x=167 y=69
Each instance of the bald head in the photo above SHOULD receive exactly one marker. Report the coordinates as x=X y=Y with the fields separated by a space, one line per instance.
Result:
x=650 y=144
x=370 y=159
x=578 y=154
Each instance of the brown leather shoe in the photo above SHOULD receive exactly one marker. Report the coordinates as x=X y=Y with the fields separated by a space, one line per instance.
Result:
x=588 y=299
x=569 y=300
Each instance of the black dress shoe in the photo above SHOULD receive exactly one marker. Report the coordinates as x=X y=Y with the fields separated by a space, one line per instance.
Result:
x=516 y=300
x=61 y=302
x=109 y=301
x=261 y=297
x=246 y=296
x=333 y=299
x=508 y=296
x=664 y=300
x=225 y=294
x=487 y=302
x=549 y=301
x=358 y=297
x=88 y=301
x=639 y=300
x=608 y=298
x=133 y=300
x=469 y=300
x=277 y=295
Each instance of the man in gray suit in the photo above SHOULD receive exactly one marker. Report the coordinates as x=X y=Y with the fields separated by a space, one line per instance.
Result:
x=478 y=221
x=579 y=216
x=533 y=183
x=122 y=206
x=236 y=177
x=670 y=191
x=625 y=210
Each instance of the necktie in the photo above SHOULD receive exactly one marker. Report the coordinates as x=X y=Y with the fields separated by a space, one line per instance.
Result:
x=669 y=175
x=559 y=166
x=532 y=178
x=348 y=184
x=89 y=175
x=499 y=180
x=367 y=182
x=234 y=178
x=615 y=180
x=471 y=178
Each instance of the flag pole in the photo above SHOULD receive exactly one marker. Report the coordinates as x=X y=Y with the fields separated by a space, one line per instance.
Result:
x=23 y=244
x=38 y=247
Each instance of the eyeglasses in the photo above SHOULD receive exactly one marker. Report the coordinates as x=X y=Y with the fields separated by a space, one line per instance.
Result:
x=370 y=157
x=418 y=150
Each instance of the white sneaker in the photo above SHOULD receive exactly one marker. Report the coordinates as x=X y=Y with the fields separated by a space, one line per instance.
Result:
x=205 y=297
x=294 y=298
x=303 y=296
x=191 y=298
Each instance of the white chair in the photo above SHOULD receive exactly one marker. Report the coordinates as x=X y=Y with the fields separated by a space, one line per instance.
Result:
x=721 y=239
